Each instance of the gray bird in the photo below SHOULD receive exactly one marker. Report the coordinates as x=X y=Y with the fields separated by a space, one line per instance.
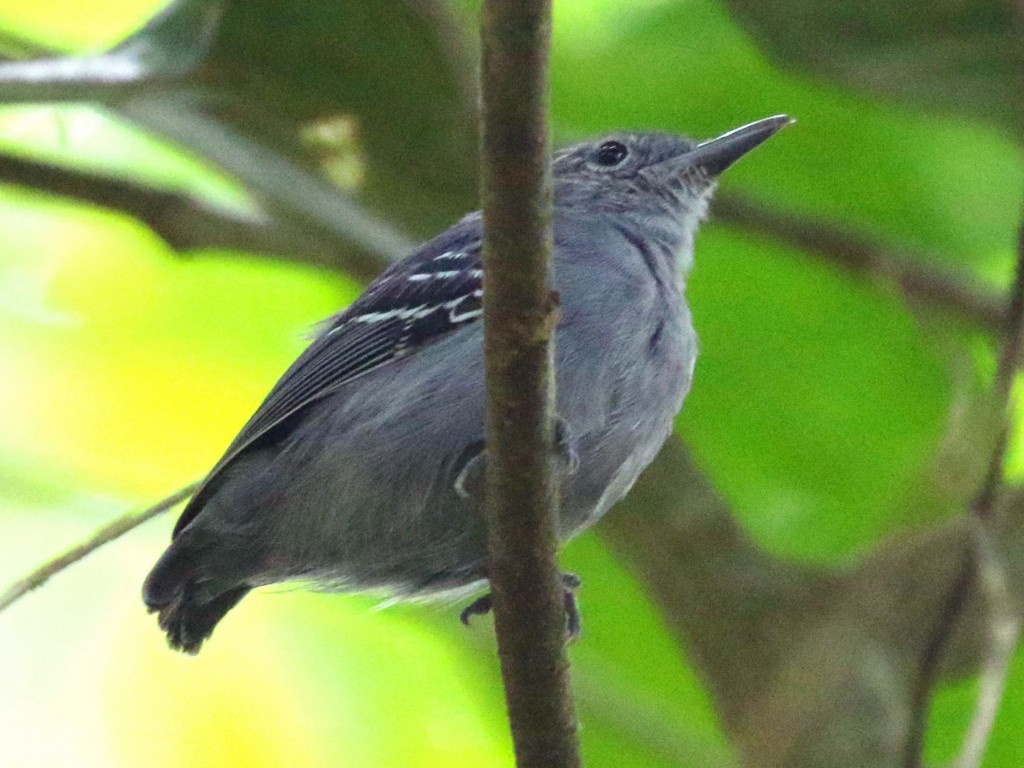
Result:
x=361 y=471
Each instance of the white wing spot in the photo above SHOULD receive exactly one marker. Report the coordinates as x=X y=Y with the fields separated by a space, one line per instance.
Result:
x=420 y=277
x=402 y=313
x=455 y=317
x=412 y=314
x=453 y=255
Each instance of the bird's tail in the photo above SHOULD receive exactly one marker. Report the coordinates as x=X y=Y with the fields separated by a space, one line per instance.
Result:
x=186 y=610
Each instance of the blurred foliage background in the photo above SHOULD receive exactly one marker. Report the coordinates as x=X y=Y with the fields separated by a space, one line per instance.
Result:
x=827 y=411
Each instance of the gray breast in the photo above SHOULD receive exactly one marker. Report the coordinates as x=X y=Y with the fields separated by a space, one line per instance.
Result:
x=624 y=405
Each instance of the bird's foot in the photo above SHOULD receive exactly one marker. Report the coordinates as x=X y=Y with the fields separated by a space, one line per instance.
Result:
x=565 y=450
x=479 y=607
x=470 y=480
x=570 y=583
x=469 y=483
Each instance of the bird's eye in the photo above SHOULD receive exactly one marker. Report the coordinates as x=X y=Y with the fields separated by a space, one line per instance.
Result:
x=611 y=153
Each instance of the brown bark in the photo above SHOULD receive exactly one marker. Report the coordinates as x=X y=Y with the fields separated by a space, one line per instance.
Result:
x=520 y=314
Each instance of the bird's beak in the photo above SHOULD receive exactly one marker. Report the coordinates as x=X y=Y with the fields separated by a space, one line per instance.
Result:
x=715 y=155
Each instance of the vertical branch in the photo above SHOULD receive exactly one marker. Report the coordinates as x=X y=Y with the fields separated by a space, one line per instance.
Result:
x=983 y=565
x=1004 y=623
x=520 y=314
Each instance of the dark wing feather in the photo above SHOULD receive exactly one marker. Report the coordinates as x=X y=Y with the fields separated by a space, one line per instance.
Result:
x=436 y=290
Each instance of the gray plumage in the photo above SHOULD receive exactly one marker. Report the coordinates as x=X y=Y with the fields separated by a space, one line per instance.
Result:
x=360 y=469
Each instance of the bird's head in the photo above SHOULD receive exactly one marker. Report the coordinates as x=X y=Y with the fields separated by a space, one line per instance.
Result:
x=653 y=181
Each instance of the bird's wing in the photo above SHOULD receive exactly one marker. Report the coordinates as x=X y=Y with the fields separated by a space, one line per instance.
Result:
x=435 y=291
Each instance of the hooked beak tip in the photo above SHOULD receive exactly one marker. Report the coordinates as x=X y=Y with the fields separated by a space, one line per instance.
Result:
x=715 y=155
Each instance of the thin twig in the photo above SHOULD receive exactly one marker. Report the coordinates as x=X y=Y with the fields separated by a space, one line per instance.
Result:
x=520 y=315
x=104 y=535
x=1004 y=624
x=1006 y=370
x=931 y=657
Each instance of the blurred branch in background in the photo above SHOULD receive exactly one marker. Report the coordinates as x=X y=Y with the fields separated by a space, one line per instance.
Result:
x=185 y=222
x=289 y=191
x=871 y=259
x=808 y=666
x=1002 y=636
x=170 y=46
x=982 y=562
x=992 y=570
